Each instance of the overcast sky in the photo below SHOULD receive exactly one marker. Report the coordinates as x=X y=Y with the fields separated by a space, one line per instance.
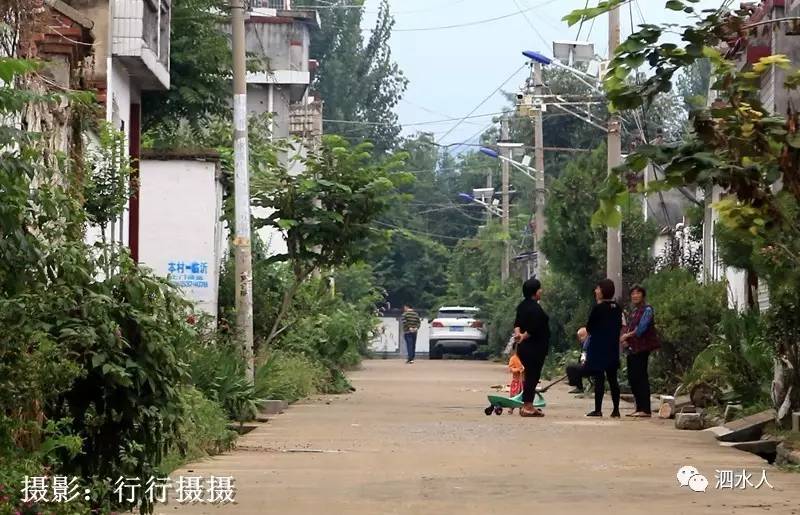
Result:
x=452 y=70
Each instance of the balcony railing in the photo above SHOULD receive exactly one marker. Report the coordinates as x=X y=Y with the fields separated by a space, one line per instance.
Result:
x=283 y=5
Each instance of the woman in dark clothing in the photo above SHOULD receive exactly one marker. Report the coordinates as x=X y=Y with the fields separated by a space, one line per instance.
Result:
x=602 y=356
x=639 y=340
x=532 y=332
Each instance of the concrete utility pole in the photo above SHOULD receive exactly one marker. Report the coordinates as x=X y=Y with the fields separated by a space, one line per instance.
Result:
x=505 y=151
x=241 y=241
x=614 y=236
x=489 y=184
x=541 y=199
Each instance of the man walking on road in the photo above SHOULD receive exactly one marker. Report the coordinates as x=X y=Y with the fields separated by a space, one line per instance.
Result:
x=411 y=323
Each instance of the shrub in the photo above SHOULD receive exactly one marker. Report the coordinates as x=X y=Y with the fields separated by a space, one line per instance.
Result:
x=217 y=369
x=687 y=315
x=204 y=431
x=499 y=313
x=740 y=359
x=289 y=377
x=568 y=309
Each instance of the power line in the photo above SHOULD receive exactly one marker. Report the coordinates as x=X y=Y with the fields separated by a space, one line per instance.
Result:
x=580 y=27
x=493 y=93
x=522 y=12
x=415 y=124
x=394 y=13
x=424 y=233
x=472 y=23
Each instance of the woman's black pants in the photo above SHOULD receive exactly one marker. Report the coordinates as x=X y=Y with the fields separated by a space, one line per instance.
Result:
x=600 y=387
x=532 y=357
x=639 y=380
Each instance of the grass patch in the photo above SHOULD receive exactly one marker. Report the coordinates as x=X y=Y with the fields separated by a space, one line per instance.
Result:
x=205 y=431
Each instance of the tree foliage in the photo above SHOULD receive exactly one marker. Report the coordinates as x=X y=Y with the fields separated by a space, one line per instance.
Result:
x=736 y=144
x=357 y=78
x=200 y=68
x=326 y=212
x=87 y=344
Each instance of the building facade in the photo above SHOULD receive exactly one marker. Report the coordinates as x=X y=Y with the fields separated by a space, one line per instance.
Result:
x=773 y=35
x=131 y=55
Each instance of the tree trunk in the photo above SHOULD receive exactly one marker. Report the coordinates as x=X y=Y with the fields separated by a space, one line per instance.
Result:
x=288 y=297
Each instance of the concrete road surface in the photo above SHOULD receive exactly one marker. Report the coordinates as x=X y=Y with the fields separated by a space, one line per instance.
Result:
x=414 y=439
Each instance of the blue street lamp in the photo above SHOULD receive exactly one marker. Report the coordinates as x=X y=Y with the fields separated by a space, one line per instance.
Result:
x=544 y=60
x=489 y=152
x=527 y=170
x=536 y=56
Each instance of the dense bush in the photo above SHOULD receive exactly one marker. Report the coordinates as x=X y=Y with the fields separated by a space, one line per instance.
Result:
x=687 y=316
x=499 y=312
x=739 y=361
x=204 y=431
x=568 y=309
x=90 y=375
x=290 y=377
x=326 y=330
x=217 y=369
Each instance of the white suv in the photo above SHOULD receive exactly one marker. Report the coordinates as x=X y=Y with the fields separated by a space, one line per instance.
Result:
x=456 y=330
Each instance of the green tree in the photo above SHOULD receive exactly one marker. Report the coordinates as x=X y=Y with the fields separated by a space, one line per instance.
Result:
x=327 y=211
x=200 y=68
x=357 y=78
x=89 y=372
x=569 y=242
x=413 y=270
x=735 y=144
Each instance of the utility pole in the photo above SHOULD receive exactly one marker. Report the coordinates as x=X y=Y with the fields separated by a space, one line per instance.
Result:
x=505 y=150
x=541 y=199
x=489 y=184
x=241 y=241
x=614 y=235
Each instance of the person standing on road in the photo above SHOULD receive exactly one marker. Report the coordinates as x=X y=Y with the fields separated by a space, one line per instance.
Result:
x=532 y=333
x=411 y=323
x=639 y=340
x=602 y=356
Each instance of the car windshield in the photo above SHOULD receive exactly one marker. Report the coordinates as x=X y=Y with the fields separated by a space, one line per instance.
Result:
x=457 y=313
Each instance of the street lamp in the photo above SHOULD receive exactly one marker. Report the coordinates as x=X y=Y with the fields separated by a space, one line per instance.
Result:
x=523 y=167
x=489 y=207
x=582 y=76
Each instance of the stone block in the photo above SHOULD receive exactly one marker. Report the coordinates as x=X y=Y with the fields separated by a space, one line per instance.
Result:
x=689 y=421
x=272 y=407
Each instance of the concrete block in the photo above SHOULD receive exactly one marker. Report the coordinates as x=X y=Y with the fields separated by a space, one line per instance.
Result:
x=689 y=421
x=748 y=428
x=732 y=411
x=796 y=422
x=272 y=407
x=759 y=447
x=719 y=432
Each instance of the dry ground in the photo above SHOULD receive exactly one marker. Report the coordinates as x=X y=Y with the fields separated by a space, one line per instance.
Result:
x=413 y=439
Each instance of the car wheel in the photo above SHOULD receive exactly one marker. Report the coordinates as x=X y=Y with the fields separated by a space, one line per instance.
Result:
x=435 y=351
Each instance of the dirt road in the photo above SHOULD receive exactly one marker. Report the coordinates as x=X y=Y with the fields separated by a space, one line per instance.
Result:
x=414 y=439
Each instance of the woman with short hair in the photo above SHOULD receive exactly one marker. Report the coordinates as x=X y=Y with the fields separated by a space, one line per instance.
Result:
x=639 y=340
x=602 y=356
x=532 y=334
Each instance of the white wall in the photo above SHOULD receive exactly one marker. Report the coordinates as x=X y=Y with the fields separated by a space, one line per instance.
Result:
x=123 y=93
x=389 y=338
x=180 y=231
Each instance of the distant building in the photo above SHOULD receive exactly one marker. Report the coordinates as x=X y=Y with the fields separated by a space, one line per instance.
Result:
x=281 y=37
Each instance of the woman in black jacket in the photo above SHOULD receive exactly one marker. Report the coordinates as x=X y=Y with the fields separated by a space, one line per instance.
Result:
x=602 y=356
x=532 y=333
